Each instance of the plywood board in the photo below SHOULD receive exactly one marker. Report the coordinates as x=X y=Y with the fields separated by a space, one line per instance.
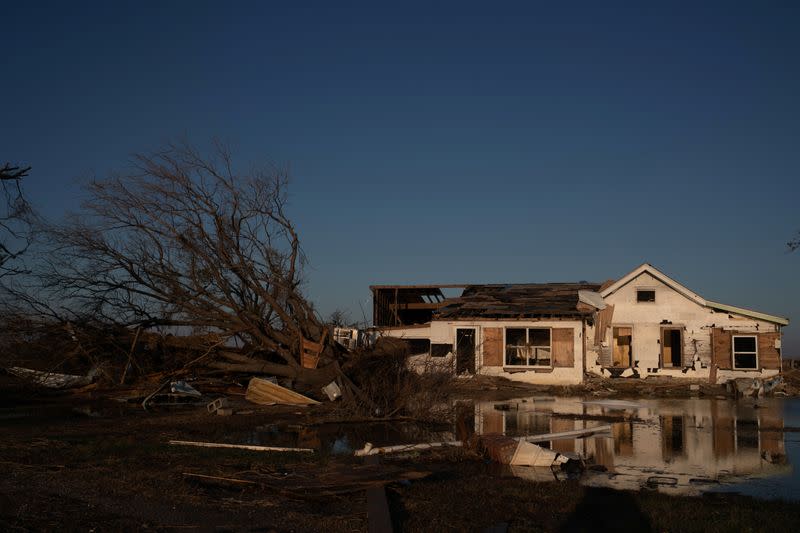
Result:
x=563 y=347
x=492 y=346
x=265 y=392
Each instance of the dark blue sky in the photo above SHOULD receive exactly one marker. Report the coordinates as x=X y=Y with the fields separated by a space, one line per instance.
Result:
x=448 y=143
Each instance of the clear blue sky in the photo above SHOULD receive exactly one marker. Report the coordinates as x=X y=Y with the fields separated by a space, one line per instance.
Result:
x=493 y=142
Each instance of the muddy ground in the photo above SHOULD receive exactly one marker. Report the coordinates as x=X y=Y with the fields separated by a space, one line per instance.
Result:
x=76 y=463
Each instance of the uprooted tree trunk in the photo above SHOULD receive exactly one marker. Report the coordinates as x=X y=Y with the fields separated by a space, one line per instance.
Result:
x=185 y=241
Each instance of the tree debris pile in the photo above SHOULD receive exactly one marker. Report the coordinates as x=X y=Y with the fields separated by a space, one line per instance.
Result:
x=383 y=374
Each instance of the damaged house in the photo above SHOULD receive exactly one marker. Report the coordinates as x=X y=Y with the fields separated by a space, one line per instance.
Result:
x=643 y=324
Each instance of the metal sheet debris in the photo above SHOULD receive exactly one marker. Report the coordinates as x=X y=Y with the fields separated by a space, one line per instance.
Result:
x=181 y=387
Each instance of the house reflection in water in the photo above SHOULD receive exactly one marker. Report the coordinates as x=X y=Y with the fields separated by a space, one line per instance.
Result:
x=685 y=446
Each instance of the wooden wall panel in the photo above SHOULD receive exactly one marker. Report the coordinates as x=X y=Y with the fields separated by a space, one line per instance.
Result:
x=493 y=347
x=563 y=347
x=721 y=353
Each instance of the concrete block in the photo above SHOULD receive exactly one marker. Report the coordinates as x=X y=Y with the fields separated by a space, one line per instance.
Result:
x=217 y=404
x=224 y=411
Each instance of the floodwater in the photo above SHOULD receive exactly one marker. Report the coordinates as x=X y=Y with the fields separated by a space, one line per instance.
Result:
x=677 y=446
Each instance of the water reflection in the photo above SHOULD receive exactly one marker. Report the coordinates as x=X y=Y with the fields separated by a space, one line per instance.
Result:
x=679 y=446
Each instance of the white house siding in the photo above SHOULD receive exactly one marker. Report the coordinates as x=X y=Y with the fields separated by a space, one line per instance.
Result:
x=444 y=332
x=696 y=321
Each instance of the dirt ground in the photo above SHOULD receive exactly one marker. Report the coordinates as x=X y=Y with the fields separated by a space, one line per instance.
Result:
x=75 y=463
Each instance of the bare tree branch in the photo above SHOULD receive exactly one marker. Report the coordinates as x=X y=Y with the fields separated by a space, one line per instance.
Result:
x=185 y=240
x=15 y=218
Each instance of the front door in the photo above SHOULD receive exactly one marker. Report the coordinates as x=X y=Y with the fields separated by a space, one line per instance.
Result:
x=465 y=350
x=671 y=348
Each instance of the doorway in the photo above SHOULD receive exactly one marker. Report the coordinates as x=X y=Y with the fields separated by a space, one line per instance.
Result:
x=671 y=348
x=622 y=347
x=465 y=350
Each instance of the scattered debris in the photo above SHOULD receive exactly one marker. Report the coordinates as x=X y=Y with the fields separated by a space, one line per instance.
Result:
x=239 y=446
x=264 y=392
x=181 y=387
x=52 y=380
x=368 y=449
x=654 y=481
x=219 y=403
x=510 y=451
x=754 y=387
x=332 y=391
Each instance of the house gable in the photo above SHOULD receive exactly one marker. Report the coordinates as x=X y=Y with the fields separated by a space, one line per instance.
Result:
x=639 y=278
x=657 y=275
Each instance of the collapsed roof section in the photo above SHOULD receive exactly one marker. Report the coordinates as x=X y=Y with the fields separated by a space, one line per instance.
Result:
x=406 y=305
x=529 y=300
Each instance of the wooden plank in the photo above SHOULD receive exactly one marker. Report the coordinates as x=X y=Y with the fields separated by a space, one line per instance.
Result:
x=563 y=347
x=265 y=392
x=417 y=305
x=722 y=354
x=250 y=447
x=399 y=448
x=493 y=347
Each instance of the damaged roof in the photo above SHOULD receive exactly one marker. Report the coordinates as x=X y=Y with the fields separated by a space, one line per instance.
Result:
x=516 y=301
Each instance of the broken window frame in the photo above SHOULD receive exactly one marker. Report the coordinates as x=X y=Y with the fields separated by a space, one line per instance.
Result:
x=640 y=290
x=734 y=352
x=528 y=347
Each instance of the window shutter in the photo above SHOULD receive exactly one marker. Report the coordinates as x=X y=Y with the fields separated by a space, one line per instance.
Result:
x=768 y=356
x=563 y=347
x=722 y=349
x=492 y=346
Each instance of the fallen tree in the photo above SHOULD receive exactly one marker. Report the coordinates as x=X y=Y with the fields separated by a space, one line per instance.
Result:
x=187 y=244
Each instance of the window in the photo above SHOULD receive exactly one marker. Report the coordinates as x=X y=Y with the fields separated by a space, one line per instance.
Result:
x=645 y=295
x=441 y=350
x=745 y=352
x=528 y=347
x=418 y=346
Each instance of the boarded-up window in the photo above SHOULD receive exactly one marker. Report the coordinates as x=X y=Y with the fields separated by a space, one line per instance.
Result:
x=563 y=347
x=492 y=346
x=721 y=349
